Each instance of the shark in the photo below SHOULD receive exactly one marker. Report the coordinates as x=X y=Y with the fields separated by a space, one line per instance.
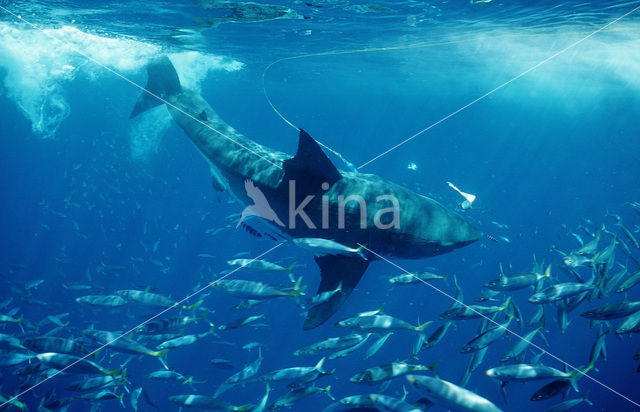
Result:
x=309 y=195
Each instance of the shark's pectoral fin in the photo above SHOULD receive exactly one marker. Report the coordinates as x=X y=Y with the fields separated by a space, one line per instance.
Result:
x=310 y=167
x=335 y=269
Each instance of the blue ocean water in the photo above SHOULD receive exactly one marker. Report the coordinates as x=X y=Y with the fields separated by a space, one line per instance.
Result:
x=92 y=197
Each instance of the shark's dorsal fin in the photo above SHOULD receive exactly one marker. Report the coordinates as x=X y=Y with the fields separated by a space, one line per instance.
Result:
x=310 y=165
x=203 y=116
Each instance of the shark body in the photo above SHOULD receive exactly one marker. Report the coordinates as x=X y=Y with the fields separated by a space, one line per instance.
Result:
x=307 y=192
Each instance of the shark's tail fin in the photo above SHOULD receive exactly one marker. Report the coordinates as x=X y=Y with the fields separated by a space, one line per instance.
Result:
x=162 y=83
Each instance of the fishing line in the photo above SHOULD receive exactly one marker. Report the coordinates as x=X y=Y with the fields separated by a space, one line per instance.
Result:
x=499 y=325
x=434 y=44
x=202 y=289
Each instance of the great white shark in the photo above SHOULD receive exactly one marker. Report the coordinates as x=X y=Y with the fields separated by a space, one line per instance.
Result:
x=308 y=192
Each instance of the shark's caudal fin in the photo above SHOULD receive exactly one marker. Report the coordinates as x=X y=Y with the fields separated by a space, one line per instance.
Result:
x=335 y=269
x=162 y=82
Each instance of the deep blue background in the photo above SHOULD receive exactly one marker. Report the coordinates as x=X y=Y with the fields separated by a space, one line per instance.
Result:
x=558 y=146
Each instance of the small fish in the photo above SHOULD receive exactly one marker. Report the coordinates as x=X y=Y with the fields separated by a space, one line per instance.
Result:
x=321 y=246
x=486 y=338
x=436 y=336
x=413 y=278
x=10 y=342
x=112 y=301
x=560 y=291
x=323 y=296
x=184 y=340
x=256 y=290
x=378 y=374
x=204 y=403
x=54 y=344
x=570 y=404
x=628 y=283
x=472 y=311
x=248 y=303
x=347 y=351
x=377 y=345
x=517 y=282
x=237 y=323
x=525 y=372
x=612 y=311
x=521 y=345
x=169 y=324
x=552 y=389
x=257 y=265
x=33 y=284
x=82 y=366
x=93 y=383
x=629 y=324
x=292 y=373
x=243 y=375
x=599 y=348
x=563 y=316
x=57 y=319
x=133 y=399
x=379 y=323
x=120 y=343
x=575 y=260
x=295 y=395
x=14 y=359
x=331 y=344
x=146 y=298
x=450 y=396
x=629 y=235
x=168 y=375
x=103 y=395
x=487 y=295
x=221 y=363
x=9 y=319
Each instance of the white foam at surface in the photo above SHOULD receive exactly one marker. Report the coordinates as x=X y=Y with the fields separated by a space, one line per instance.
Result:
x=146 y=131
x=39 y=68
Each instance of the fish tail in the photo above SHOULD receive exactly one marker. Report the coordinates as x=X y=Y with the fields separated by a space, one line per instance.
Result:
x=290 y=268
x=423 y=326
x=159 y=353
x=433 y=367
x=163 y=82
x=204 y=315
x=194 y=306
x=359 y=252
x=327 y=390
x=586 y=398
x=163 y=362
x=577 y=374
x=121 y=399
x=506 y=303
x=297 y=289
x=188 y=380
x=113 y=372
x=318 y=366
